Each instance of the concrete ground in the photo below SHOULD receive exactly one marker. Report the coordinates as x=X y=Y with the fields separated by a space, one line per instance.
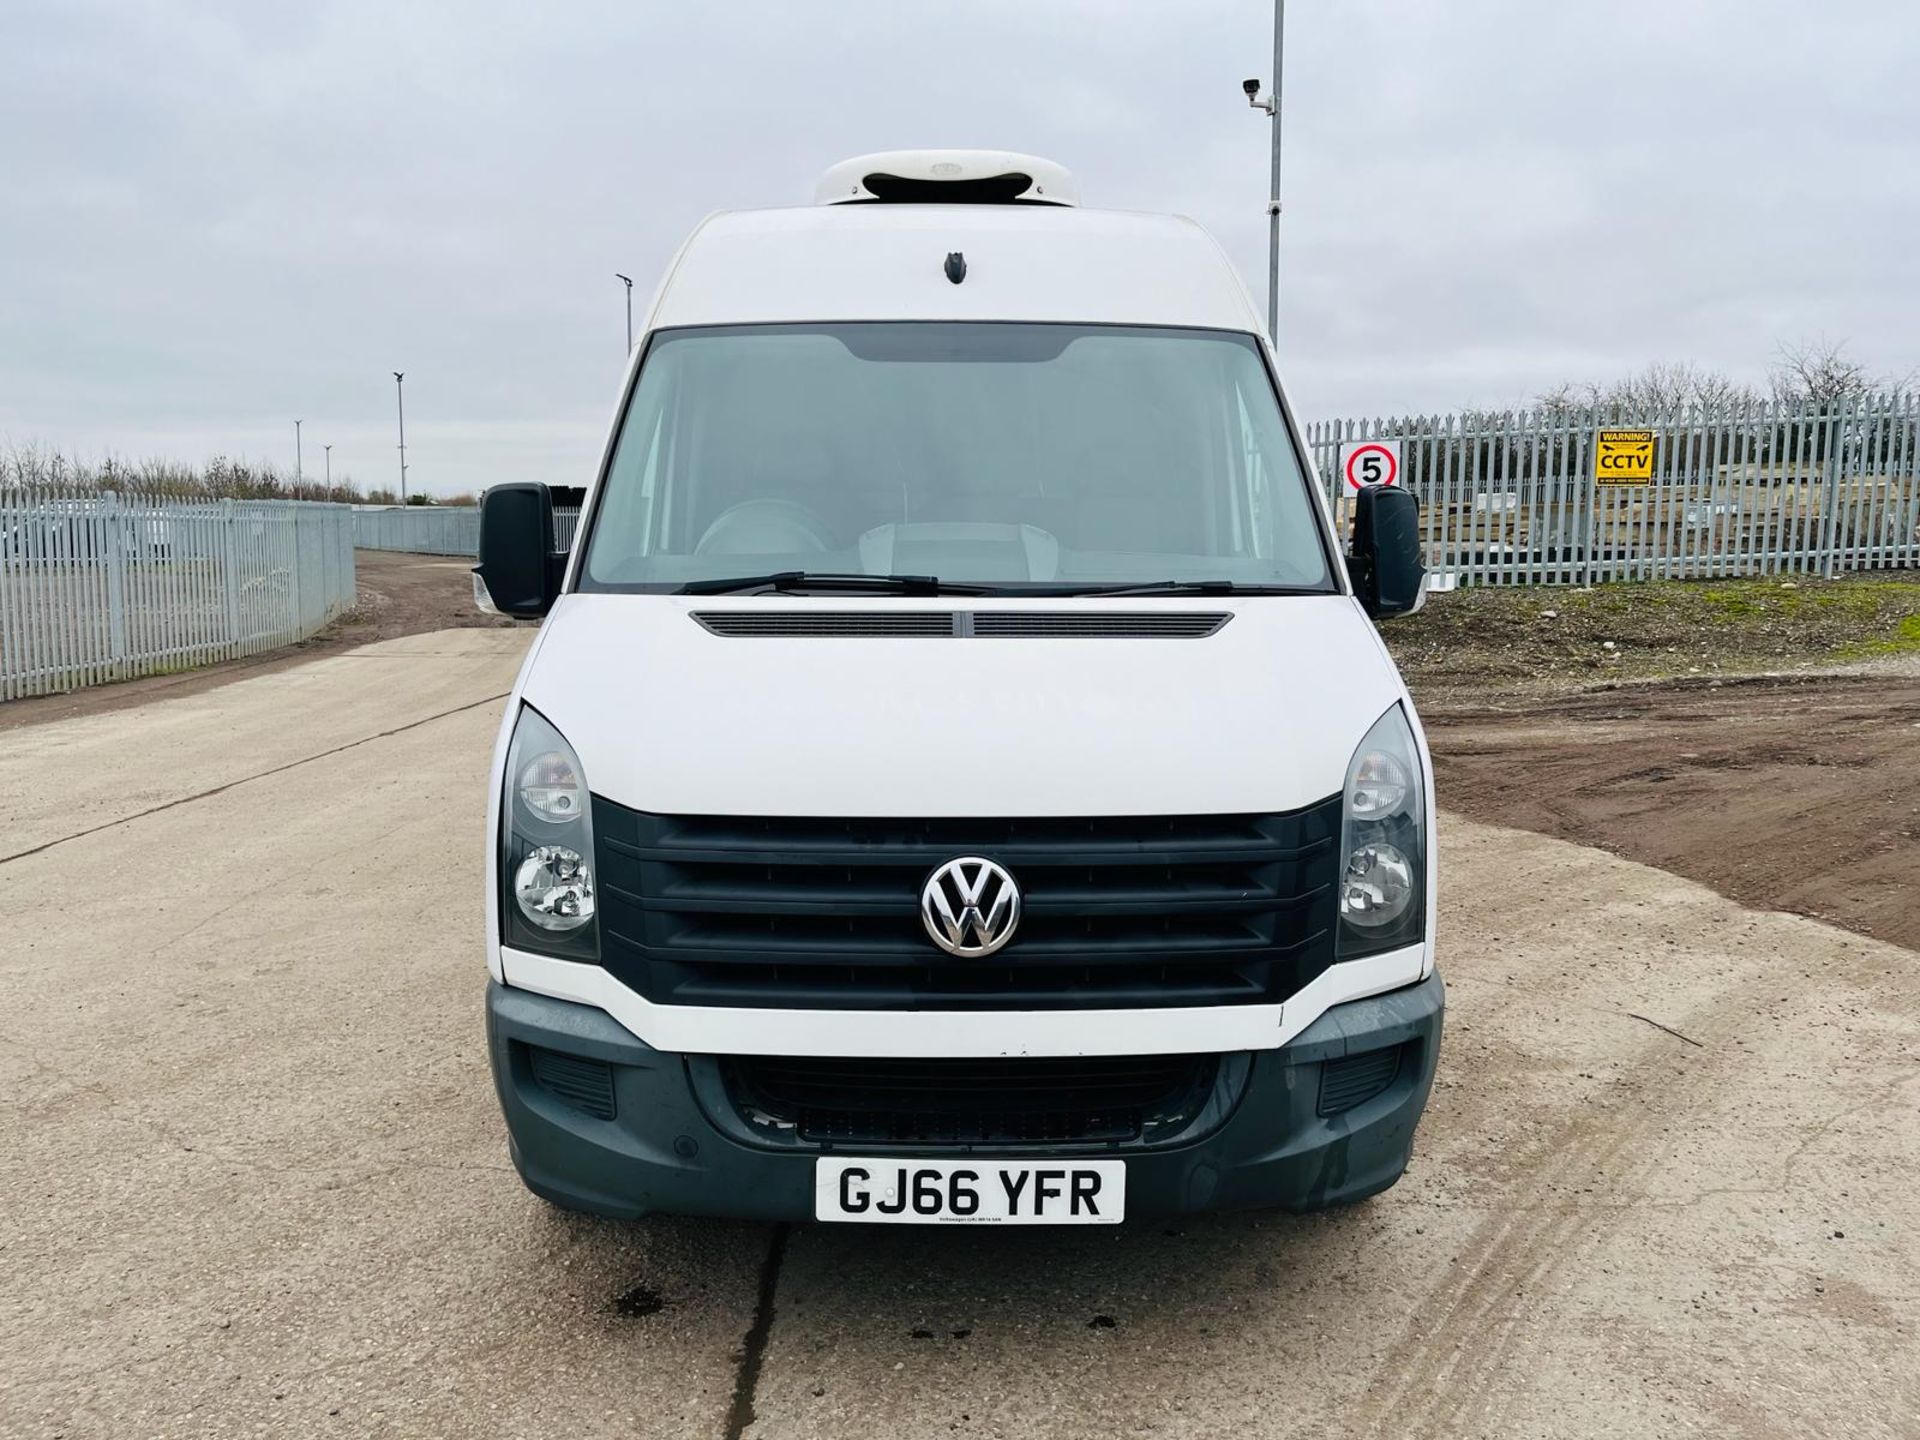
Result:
x=255 y=1180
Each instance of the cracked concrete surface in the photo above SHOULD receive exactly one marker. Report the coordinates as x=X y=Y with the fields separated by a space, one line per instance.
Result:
x=256 y=1182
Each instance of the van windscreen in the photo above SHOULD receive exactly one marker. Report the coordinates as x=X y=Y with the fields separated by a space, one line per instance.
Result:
x=1034 y=457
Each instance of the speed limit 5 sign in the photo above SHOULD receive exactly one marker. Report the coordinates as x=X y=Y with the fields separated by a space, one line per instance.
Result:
x=1370 y=462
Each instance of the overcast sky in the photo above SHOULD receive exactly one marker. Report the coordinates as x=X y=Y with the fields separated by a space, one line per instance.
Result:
x=218 y=216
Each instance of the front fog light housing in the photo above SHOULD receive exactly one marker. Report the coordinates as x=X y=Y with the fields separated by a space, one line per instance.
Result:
x=548 y=899
x=1383 y=843
x=554 y=888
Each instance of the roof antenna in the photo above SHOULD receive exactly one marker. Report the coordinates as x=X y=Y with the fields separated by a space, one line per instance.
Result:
x=956 y=266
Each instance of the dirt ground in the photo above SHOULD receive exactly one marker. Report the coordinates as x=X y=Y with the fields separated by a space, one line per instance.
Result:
x=1761 y=736
x=256 y=1180
x=1797 y=793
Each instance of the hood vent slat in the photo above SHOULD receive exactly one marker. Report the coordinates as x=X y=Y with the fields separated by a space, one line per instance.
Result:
x=961 y=624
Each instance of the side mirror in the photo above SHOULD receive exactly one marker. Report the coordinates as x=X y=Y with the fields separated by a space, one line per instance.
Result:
x=1384 y=557
x=519 y=567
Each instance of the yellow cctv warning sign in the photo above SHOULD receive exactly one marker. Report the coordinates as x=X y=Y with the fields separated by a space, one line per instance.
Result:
x=1623 y=457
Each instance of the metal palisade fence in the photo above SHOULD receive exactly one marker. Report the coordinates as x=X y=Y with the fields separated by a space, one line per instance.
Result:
x=437 y=529
x=107 y=586
x=1581 y=496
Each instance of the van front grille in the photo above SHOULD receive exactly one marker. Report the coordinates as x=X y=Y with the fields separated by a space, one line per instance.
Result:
x=973 y=1102
x=1117 y=912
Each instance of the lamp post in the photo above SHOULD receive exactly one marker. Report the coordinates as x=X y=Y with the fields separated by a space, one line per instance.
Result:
x=629 y=284
x=329 y=453
x=296 y=457
x=1270 y=103
x=400 y=402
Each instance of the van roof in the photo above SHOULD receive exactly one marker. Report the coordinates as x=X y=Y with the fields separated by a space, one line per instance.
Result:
x=888 y=262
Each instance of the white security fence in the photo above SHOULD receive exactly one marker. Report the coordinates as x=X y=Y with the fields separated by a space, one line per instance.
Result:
x=97 y=587
x=1582 y=496
x=437 y=529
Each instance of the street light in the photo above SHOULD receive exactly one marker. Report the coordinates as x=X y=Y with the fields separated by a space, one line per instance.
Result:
x=296 y=457
x=329 y=450
x=629 y=284
x=1271 y=104
x=400 y=402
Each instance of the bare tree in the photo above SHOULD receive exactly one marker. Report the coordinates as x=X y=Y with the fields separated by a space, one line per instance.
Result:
x=221 y=478
x=1661 y=388
x=1819 y=373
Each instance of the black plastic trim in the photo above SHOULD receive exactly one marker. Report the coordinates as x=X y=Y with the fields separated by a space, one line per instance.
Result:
x=1217 y=1084
x=673 y=1151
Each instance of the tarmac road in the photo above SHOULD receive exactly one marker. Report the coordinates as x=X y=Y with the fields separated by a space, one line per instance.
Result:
x=255 y=1180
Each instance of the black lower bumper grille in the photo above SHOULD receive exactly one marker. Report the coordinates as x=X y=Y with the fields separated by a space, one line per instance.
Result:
x=1121 y=912
x=585 y=1084
x=973 y=1102
x=1355 y=1079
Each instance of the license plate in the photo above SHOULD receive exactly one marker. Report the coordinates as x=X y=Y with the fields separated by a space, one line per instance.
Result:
x=970 y=1192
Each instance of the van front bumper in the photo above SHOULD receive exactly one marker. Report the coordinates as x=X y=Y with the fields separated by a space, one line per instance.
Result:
x=645 y=1144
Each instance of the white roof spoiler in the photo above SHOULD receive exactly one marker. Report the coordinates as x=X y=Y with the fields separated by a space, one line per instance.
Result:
x=947 y=177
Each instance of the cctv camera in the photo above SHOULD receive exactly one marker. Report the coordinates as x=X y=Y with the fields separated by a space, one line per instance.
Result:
x=1252 y=87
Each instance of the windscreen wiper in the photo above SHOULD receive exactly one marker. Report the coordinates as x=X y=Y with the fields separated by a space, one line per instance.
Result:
x=798 y=581
x=1192 y=587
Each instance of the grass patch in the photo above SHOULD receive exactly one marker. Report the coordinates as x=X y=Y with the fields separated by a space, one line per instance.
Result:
x=1905 y=640
x=1538 y=637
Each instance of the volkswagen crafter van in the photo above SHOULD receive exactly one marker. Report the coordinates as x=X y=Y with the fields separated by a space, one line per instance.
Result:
x=957 y=778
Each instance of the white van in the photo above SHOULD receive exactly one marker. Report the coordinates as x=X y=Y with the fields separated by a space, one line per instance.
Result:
x=958 y=778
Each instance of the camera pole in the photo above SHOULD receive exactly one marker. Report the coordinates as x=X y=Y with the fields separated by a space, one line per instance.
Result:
x=400 y=404
x=1271 y=104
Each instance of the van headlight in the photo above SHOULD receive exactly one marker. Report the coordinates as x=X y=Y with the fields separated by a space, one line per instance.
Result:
x=1383 y=843
x=546 y=838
